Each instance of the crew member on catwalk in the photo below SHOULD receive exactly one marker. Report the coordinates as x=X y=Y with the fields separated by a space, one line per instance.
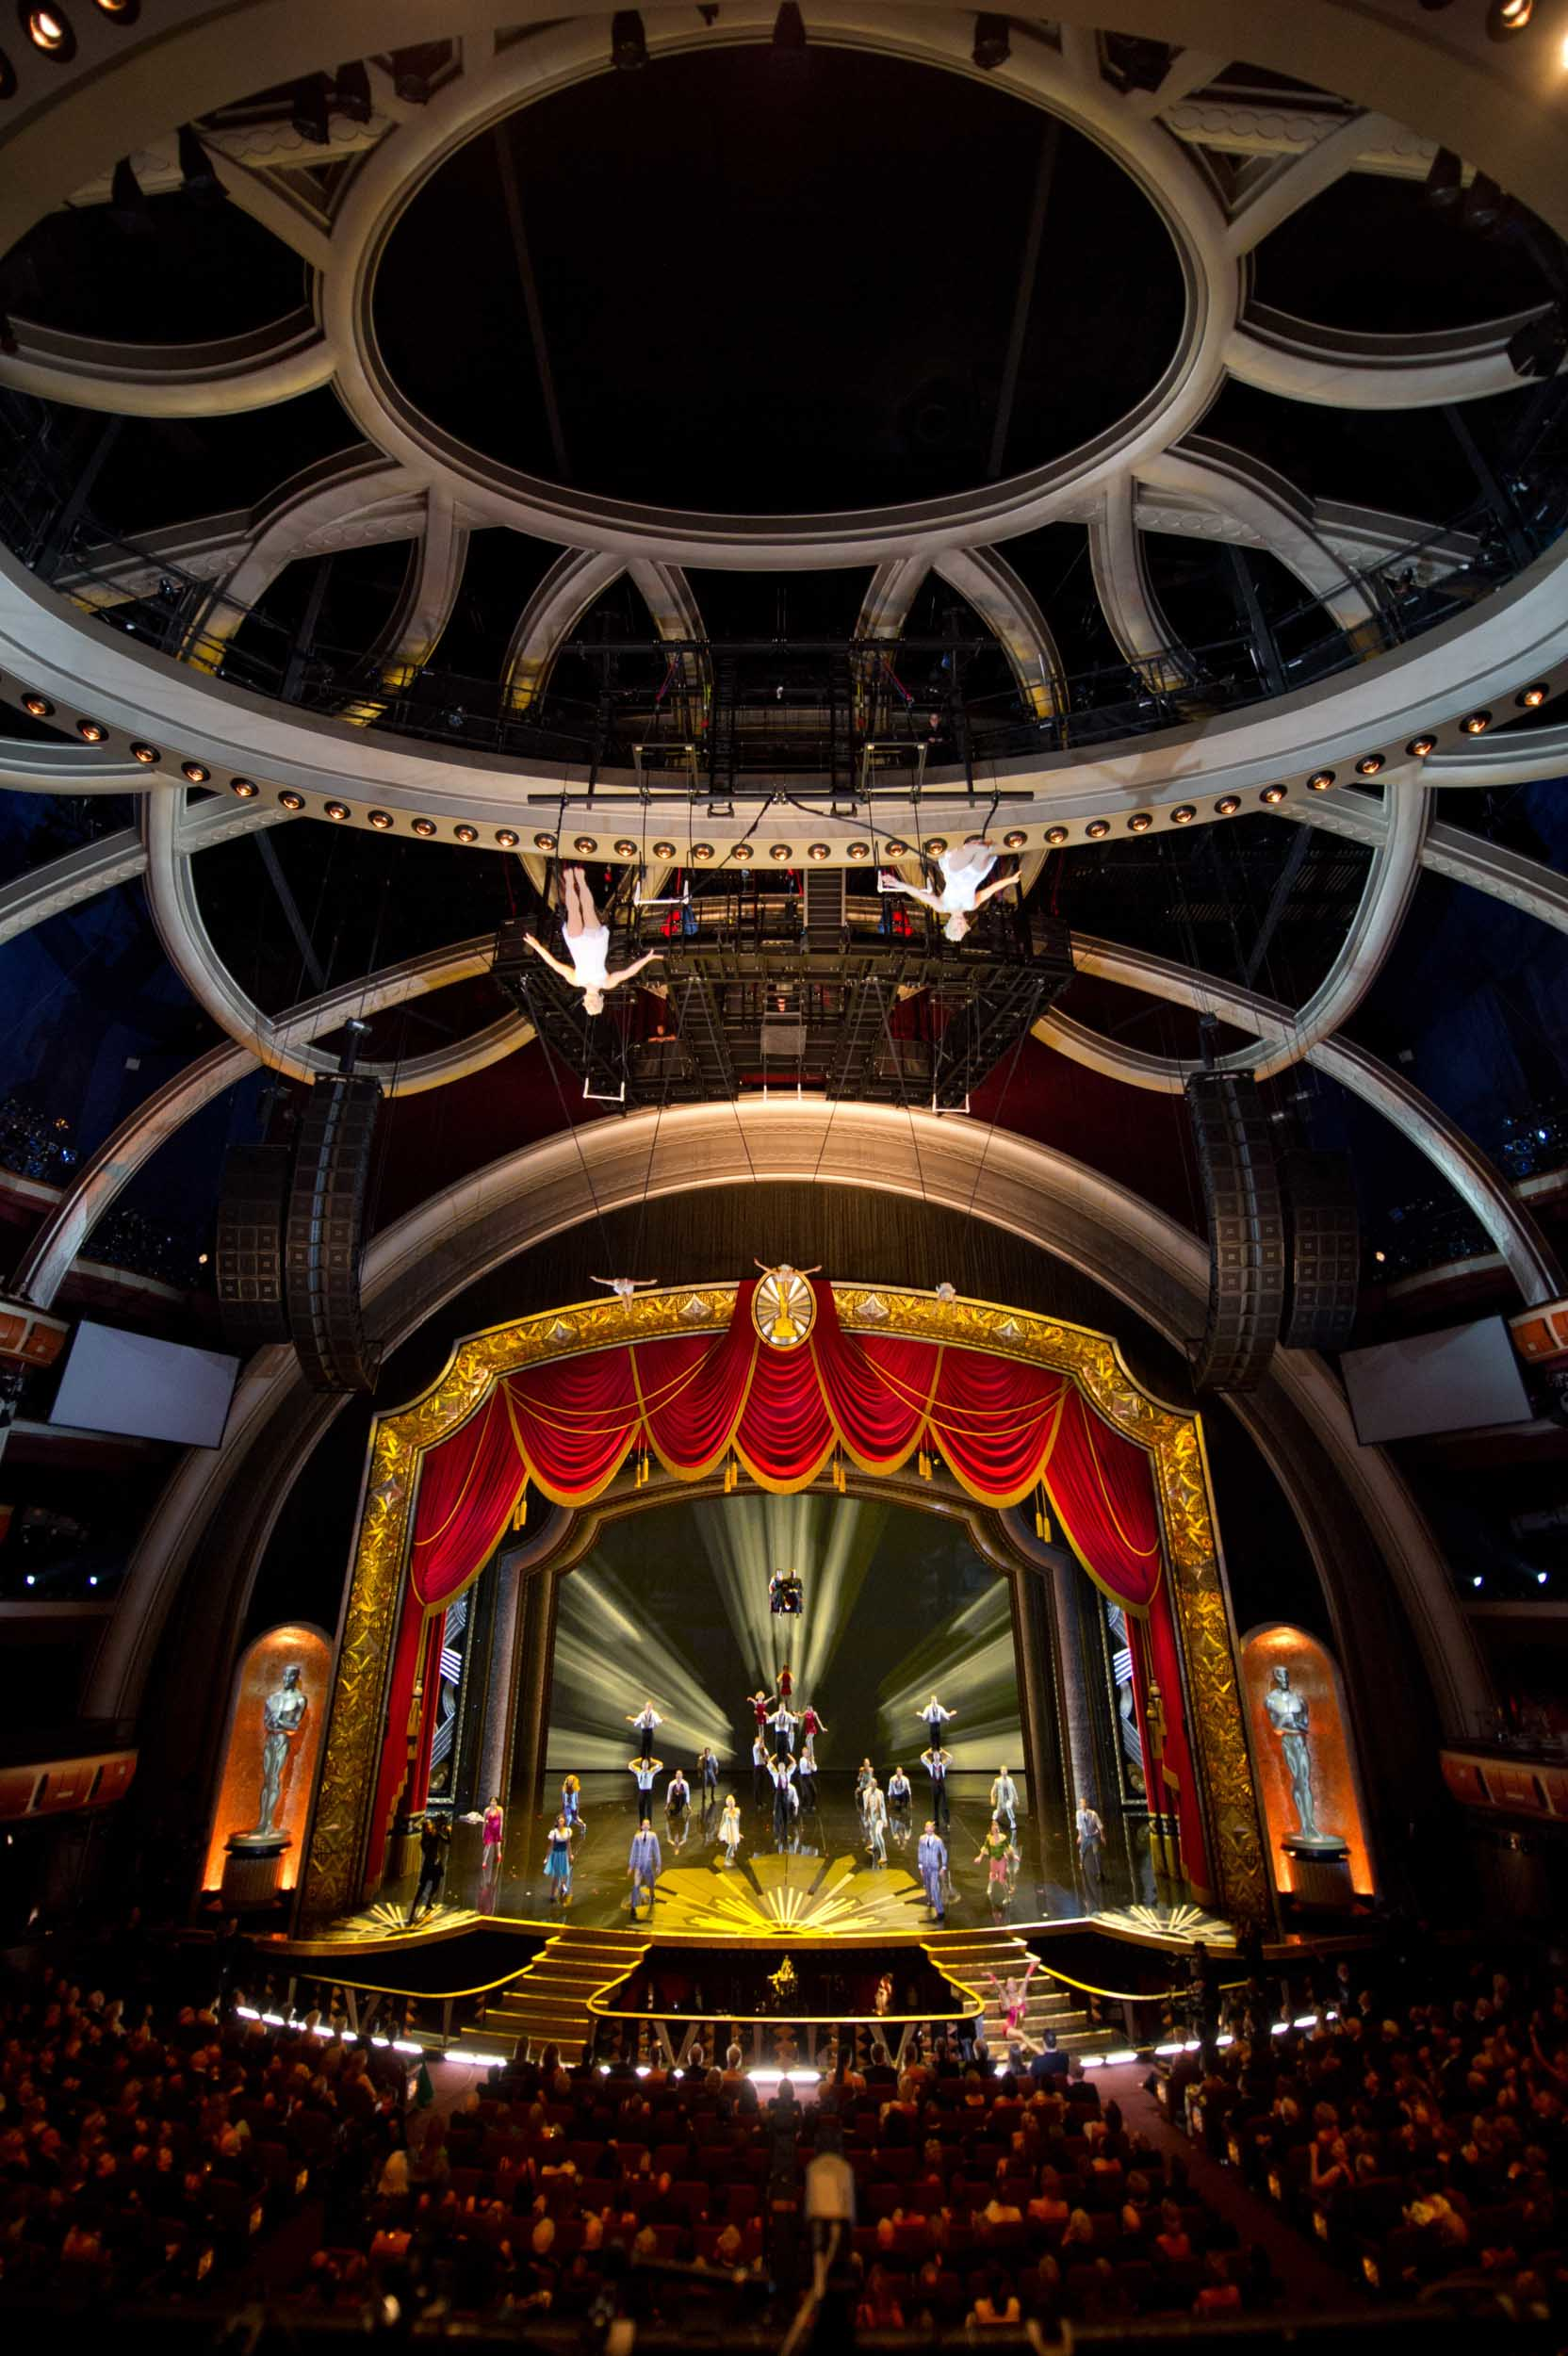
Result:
x=647 y=1771
x=644 y=1721
x=937 y=1763
x=931 y=1860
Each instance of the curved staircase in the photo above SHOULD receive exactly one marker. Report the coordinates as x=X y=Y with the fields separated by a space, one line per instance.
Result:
x=548 y=2002
x=969 y=1956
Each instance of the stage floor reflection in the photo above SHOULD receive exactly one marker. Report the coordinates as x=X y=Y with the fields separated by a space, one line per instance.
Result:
x=819 y=1881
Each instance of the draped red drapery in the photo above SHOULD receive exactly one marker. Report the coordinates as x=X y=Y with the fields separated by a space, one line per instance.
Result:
x=1001 y=1426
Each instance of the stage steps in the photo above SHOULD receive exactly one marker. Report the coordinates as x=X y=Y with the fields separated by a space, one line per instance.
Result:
x=548 y=2002
x=969 y=1955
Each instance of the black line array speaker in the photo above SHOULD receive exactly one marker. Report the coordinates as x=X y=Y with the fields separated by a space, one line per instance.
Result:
x=1323 y=1268
x=249 y=1249
x=324 y=1237
x=1247 y=1233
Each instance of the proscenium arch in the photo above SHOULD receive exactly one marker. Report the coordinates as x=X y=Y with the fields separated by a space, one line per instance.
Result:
x=1354 y=1512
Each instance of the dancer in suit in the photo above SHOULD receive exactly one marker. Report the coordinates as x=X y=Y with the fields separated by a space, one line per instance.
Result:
x=1091 y=1847
x=708 y=1772
x=678 y=1794
x=759 y=1771
x=936 y=1763
x=931 y=1859
x=934 y=1717
x=1005 y=1800
x=643 y=1864
x=781 y=1770
x=647 y=1771
x=782 y=1727
x=644 y=1722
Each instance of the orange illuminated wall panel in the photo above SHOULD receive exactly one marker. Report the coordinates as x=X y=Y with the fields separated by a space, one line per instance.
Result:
x=261 y=1672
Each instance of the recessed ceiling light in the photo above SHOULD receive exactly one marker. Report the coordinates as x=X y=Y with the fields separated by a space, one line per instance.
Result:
x=467 y=833
x=937 y=844
x=663 y=850
x=702 y=850
x=625 y=847
x=1228 y=805
x=780 y=851
x=1369 y=764
x=1097 y=829
x=123 y=11
x=338 y=810
x=585 y=845
x=1139 y=822
x=858 y=850
x=1056 y=835
x=1531 y=698
x=895 y=849
x=1506 y=17
x=1015 y=838
x=244 y=786
x=541 y=842
x=291 y=800
x=1475 y=723
x=818 y=851
x=92 y=732
x=195 y=772
x=39 y=705
x=49 y=29
x=1419 y=746
x=742 y=851
x=1320 y=780
x=379 y=819
x=424 y=828
x=1271 y=795
x=148 y=754
x=1184 y=814
x=506 y=838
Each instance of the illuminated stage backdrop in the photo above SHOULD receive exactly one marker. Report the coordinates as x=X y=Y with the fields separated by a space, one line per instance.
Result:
x=778 y=1381
x=672 y=1602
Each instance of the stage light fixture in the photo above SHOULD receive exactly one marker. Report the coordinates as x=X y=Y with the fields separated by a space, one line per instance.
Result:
x=92 y=732
x=1475 y=723
x=1139 y=822
x=1504 y=18
x=628 y=47
x=339 y=810
x=1184 y=814
x=586 y=846
x=1228 y=805
x=379 y=819
x=742 y=851
x=39 y=705
x=663 y=850
x=625 y=847
x=466 y=834
x=858 y=850
x=148 y=754
x=702 y=851
x=1320 y=780
x=352 y=88
x=128 y=208
x=424 y=828
x=895 y=847
x=1538 y=348
x=780 y=851
x=1444 y=183
x=1419 y=746
x=291 y=800
x=935 y=845
x=543 y=842
x=1484 y=203
x=49 y=29
x=1272 y=794
x=818 y=851
x=506 y=838
x=1015 y=838
x=243 y=788
x=1369 y=764
x=310 y=108
x=993 y=43
x=1531 y=698
x=195 y=772
x=1097 y=829
x=123 y=11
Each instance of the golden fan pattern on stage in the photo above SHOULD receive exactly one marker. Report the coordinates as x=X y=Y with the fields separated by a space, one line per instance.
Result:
x=806 y=1896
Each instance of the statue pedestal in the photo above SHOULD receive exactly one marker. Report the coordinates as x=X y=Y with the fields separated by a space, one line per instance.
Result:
x=252 y=1867
x=1322 y=1872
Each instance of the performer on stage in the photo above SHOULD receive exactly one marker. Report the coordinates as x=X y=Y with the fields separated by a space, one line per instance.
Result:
x=786 y=1682
x=931 y=1858
x=645 y=1770
x=1091 y=1846
x=587 y=945
x=729 y=1830
x=935 y=1718
x=876 y=1825
x=490 y=1855
x=863 y=1782
x=678 y=1794
x=811 y=1725
x=808 y=1772
x=963 y=873
x=936 y=1763
x=558 y=1861
x=899 y=1793
x=1013 y=1995
x=759 y=1779
x=993 y=1853
x=571 y=1802
x=645 y=1864
x=781 y=1770
x=435 y=1839
x=761 y=1704
x=1005 y=1800
x=782 y=1725
x=644 y=1721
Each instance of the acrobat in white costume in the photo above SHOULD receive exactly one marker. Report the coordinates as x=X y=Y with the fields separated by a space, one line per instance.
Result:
x=587 y=945
x=964 y=871
x=729 y=1830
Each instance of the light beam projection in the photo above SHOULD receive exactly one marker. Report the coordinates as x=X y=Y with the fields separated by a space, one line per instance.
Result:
x=831 y=1542
x=609 y=1658
x=968 y=1664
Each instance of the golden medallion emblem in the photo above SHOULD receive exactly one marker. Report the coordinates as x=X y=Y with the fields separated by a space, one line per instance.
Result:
x=783 y=1307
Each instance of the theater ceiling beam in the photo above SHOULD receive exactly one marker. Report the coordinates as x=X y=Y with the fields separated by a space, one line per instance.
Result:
x=222 y=379
x=1526 y=884
x=1299 y=360
x=1122 y=583
x=986 y=578
x=62 y=883
x=1271 y=191
x=1269 y=510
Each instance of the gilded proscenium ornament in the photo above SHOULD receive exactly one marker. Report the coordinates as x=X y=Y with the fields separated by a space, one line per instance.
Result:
x=1172 y=1437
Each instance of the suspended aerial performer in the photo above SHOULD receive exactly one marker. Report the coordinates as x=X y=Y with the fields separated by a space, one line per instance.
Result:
x=678 y=1794
x=729 y=1830
x=490 y=1855
x=1005 y=1800
x=643 y=1723
x=898 y=1791
x=625 y=1289
x=1013 y=1996
x=931 y=1858
x=877 y=1823
x=994 y=1853
x=758 y=1769
x=936 y=1764
x=964 y=871
x=784 y=1723
x=645 y=1770
x=587 y=945
x=645 y=1863
x=1091 y=1843
x=558 y=1861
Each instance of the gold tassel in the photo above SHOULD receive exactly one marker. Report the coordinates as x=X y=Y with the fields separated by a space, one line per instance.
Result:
x=924 y=1465
x=840 y=1482
x=1042 y=1519
x=519 y=1512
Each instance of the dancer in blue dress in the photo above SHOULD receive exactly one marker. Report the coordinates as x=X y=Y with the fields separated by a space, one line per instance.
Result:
x=558 y=1861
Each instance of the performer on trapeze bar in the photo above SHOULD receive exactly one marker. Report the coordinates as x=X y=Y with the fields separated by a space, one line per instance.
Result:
x=587 y=945
x=964 y=871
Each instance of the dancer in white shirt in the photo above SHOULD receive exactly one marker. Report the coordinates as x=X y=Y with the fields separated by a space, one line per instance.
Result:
x=964 y=871
x=587 y=945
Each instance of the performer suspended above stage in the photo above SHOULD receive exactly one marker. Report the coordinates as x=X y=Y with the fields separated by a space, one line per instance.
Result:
x=963 y=872
x=587 y=945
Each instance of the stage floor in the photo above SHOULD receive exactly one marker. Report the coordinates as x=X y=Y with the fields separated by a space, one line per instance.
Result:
x=820 y=1881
